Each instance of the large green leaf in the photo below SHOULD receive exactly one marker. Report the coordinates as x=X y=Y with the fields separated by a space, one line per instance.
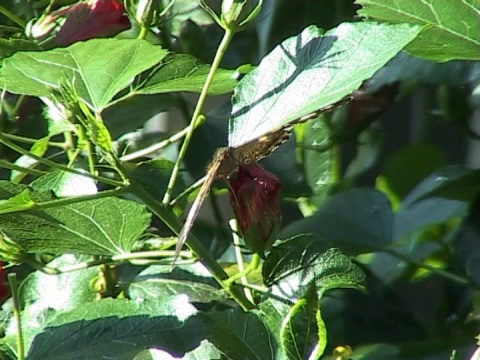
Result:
x=41 y=295
x=63 y=184
x=453 y=30
x=157 y=282
x=180 y=72
x=299 y=332
x=8 y=47
x=107 y=226
x=119 y=329
x=434 y=200
x=408 y=166
x=272 y=313
x=242 y=336
x=96 y=76
x=355 y=221
x=295 y=264
x=309 y=72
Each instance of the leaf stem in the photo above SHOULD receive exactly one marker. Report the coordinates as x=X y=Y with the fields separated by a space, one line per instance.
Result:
x=238 y=255
x=445 y=274
x=12 y=280
x=162 y=144
x=222 y=48
x=26 y=140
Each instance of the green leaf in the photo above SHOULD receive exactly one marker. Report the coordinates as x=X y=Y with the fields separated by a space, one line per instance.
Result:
x=120 y=329
x=242 y=336
x=180 y=72
x=431 y=201
x=41 y=295
x=407 y=167
x=451 y=182
x=107 y=226
x=38 y=148
x=293 y=265
x=205 y=351
x=157 y=282
x=299 y=332
x=309 y=72
x=272 y=313
x=96 y=76
x=346 y=221
x=63 y=184
x=318 y=161
x=8 y=47
x=452 y=31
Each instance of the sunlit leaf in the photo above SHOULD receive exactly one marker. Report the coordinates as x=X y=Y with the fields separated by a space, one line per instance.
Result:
x=452 y=31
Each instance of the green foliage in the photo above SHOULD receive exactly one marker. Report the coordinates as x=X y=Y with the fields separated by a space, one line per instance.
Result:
x=100 y=140
x=445 y=37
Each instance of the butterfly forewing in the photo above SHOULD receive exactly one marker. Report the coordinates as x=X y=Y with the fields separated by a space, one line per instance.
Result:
x=217 y=163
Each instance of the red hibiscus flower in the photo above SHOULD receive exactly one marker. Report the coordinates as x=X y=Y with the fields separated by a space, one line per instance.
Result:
x=255 y=199
x=82 y=21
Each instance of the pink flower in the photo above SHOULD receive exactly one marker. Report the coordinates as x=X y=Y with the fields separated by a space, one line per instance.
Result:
x=82 y=21
x=255 y=199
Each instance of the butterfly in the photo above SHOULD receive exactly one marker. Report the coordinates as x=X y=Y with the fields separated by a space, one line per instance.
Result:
x=227 y=159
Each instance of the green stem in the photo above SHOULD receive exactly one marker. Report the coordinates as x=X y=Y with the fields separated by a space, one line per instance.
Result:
x=445 y=274
x=142 y=34
x=162 y=144
x=238 y=255
x=253 y=265
x=172 y=221
x=140 y=255
x=222 y=48
x=55 y=165
x=17 y=20
x=7 y=165
x=12 y=280
x=188 y=190
x=30 y=141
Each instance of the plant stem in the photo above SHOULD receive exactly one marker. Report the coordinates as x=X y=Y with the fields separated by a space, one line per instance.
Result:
x=12 y=280
x=172 y=221
x=238 y=255
x=26 y=140
x=162 y=144
x=142 y=34
x=222 y=48
x=17 y=20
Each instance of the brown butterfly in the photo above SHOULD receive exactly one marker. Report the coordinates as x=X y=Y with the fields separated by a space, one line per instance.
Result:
x=227 y=159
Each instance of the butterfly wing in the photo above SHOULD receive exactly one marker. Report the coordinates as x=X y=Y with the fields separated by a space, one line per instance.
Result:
x=217 y=163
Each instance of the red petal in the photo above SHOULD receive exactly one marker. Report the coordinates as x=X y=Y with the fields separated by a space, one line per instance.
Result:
x=255 y=199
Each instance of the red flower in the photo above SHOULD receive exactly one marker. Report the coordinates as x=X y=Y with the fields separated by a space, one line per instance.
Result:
x=255 y=199
x=82 y=21
x=4 y=289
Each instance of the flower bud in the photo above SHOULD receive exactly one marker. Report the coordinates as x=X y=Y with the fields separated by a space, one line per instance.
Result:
x=236 y=13
x=255 y=199
x=145 y=12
